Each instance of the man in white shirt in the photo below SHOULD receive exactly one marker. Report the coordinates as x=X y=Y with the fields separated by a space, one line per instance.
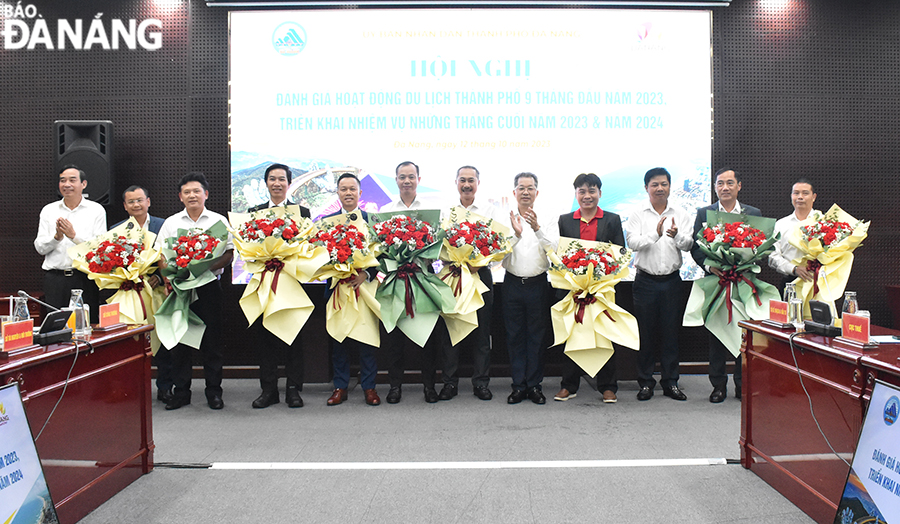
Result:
x=728 y=185
x=526 y=292
x=467 y=181
x=193 y=192
x=394 y=343
x=803 y=196
x=63 y=224
x=657 y=234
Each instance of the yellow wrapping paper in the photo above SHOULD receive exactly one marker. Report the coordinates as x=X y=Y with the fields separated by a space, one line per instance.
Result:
x=352 y=313
x=467 y=286
x=135 y=307
x=277 y=294
x=589 y=343
x=837 y=260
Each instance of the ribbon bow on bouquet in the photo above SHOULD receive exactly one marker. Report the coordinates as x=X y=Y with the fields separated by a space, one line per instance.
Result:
x=470 y=242
x=273 y=243
x=411 y=296
x=588 y=319
x=734 y=244
x=349 y=312
x=827 y=243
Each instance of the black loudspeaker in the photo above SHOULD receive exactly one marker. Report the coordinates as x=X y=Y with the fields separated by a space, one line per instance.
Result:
x=88 y=145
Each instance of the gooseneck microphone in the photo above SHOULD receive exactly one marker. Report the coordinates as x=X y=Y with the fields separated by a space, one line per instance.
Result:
x=29 y=297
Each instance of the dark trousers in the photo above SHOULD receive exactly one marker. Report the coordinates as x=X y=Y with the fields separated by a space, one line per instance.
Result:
x=657 y=308
x=163 y=362
x=269 y=349
x=606 y=377
x=58 y=290
x=394 y=344
x=479 y=340
x=718 y=357
x=526 y=310
x=340 y=360
x=208 y=307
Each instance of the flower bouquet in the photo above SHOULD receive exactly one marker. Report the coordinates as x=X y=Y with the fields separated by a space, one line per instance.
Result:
x=827 y=243
x=188 y=258
x=349 y=312
x=273 y=245
x=121 y=259
x=411 y=295
x=470 y=241
x=588 y=319
x=734 y=244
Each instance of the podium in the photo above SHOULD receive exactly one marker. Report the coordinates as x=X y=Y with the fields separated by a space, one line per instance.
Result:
x=100 y=438
x=780 y=440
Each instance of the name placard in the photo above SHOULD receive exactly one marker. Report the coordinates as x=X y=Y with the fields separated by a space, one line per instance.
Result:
x=109 y=314
x=18 y=335
x=855 y=327
x=778 y=311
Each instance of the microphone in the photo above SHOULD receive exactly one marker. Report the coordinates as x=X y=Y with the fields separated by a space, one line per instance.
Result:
x=29 y=297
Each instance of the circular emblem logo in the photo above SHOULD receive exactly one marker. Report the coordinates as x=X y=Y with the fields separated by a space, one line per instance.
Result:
x=289 y=39
x=891 y=407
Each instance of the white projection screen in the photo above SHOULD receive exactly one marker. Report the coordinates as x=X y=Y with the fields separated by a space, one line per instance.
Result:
x=555 y=92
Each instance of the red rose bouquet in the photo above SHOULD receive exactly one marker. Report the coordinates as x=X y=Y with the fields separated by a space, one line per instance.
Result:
x=275 y=246
x=411 y=295
x=193 y=246
x=734 y=245
x=122 y=259
x=588 y=319
x=470 y=243
x=349 y=312
x=827 y=243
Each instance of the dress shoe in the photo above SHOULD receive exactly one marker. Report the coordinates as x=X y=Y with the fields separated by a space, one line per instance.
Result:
x=536 y=395
x=265 y=399
x=483 y=393
x=394 y=395
x=737 y=392
x=215 y=402
x=177 y=401
x=674 y=393
x=431 y=395
x=372 y=398
x=646 y=393
x=339 y=395
x=609 y=397
x=292 y=397
x=164 y=394
x=447 y=392
x=717 y=395
x=518 y=395
x=564 y=395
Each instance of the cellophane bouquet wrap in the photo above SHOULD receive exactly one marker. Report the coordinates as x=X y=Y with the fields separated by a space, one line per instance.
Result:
x=411 y=296
x=588 y=319
x=122 y=259
x=274 y=245
x=349 y=312
x=188 y=256
x=470 y=240
x=827 y=243
x=735 y=244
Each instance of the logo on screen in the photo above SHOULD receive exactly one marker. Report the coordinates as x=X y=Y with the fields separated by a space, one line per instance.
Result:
x=891 y=407
x=289 y=39
x=4 y=418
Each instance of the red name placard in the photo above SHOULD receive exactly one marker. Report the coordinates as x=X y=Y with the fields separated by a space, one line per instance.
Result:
x=778 y=311
x=109 y=314
x=855 y=327
x=18 y=334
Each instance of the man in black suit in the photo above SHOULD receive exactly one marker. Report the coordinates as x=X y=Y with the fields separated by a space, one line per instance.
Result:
x=728 y=185
x=278 y=182
x=348 y=194
x=589 y=222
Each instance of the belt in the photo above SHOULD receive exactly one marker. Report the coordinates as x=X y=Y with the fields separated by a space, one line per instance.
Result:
x=525 y=281
x=658 y=278
x=64 y=272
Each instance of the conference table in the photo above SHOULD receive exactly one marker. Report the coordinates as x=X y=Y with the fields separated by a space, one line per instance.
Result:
x=780 y=438
x=99 y=439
